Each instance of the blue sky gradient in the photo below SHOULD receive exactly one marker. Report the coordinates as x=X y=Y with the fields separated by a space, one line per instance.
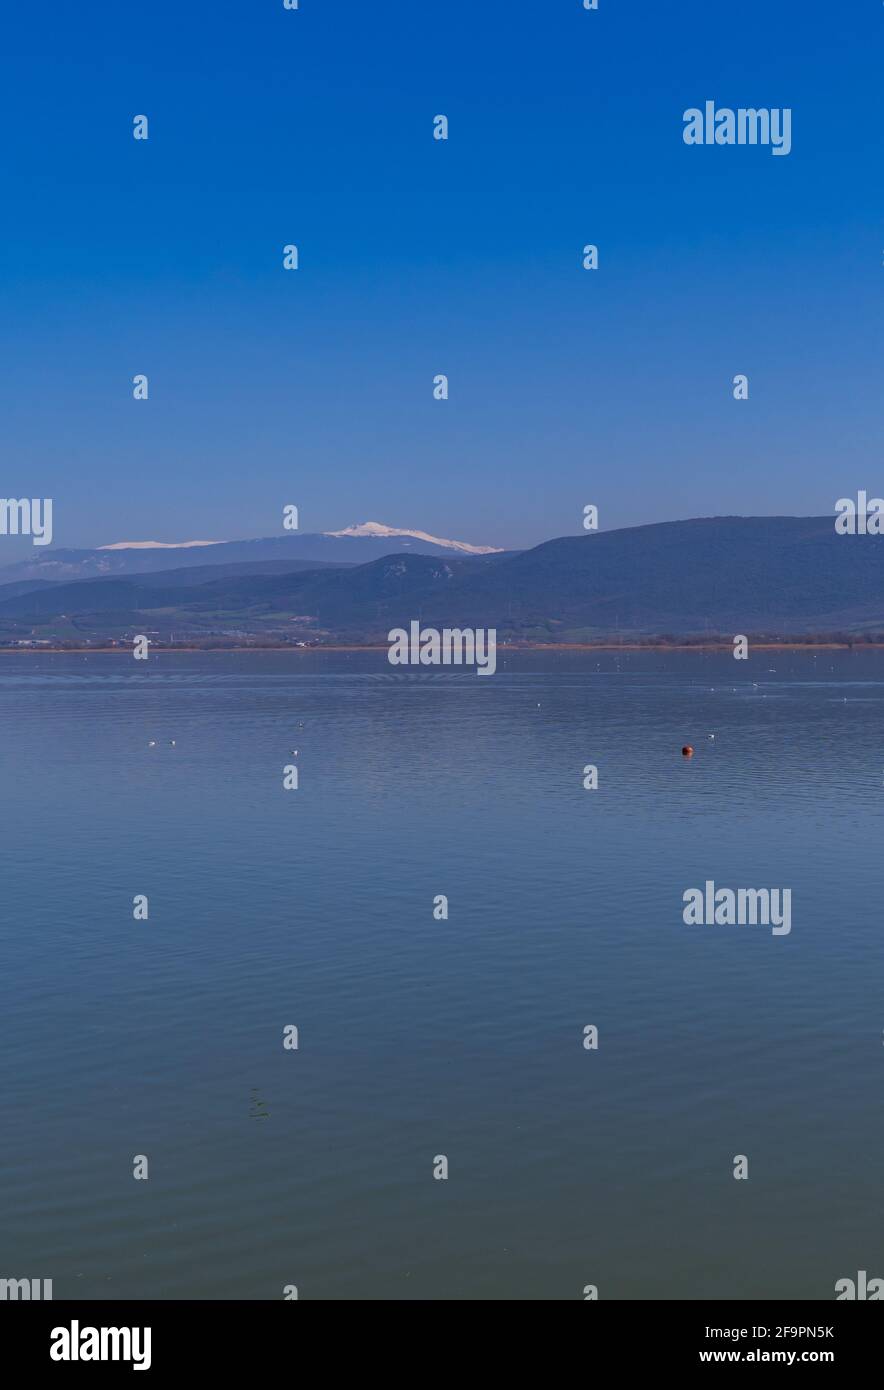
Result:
x=315 y=387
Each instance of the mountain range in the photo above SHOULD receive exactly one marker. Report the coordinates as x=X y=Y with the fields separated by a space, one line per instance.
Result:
x=367 y=540
x=773 y=576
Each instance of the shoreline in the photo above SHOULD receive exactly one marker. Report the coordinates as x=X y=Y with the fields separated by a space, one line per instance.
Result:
x=521 y=647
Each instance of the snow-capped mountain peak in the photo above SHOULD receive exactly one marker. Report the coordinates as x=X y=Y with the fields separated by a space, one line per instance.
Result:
x=378 y=530
x=156 y=545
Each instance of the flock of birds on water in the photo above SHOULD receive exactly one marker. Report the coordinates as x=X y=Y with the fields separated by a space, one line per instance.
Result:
x=687 y=750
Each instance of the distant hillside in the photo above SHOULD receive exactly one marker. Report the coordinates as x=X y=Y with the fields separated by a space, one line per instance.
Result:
x=781 y=576
x=719 y=574
x=187 y=576
x=354 y=546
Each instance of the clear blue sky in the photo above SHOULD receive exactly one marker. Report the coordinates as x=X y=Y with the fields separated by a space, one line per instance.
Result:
x=417 y=257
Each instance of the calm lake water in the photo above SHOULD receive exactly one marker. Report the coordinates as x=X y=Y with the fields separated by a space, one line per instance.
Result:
x=419 y=1037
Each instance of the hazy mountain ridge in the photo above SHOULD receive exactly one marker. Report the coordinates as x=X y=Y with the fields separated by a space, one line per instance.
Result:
x=721 y=575
x=355 y=545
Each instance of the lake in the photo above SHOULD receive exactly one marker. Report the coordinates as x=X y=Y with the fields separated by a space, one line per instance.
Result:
x=417 y=1037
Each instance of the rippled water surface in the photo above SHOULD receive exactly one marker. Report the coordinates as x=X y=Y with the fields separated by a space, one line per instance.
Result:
x=417 y=1037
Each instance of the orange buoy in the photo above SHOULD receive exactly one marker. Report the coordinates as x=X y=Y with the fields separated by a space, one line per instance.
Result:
x=687 y=751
